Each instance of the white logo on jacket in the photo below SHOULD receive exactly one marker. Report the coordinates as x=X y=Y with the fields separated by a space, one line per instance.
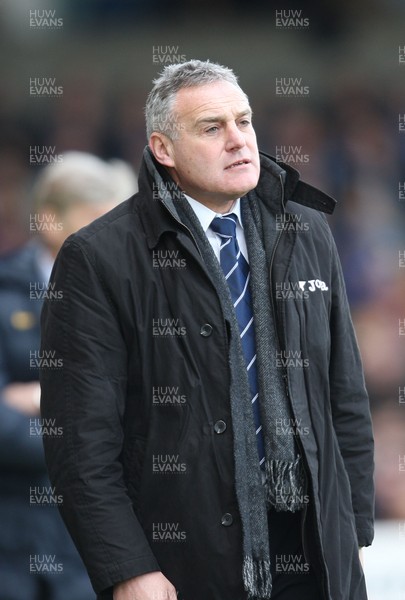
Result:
x=314 y=284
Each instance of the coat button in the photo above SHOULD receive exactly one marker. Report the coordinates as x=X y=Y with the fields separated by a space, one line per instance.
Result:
x=220 y=426
x=227 y=520
x=206 y=330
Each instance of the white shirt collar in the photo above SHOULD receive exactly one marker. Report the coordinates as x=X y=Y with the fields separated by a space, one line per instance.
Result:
x=205 y=214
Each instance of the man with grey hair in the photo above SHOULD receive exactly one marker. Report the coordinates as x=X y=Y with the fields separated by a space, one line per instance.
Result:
x=218 y=442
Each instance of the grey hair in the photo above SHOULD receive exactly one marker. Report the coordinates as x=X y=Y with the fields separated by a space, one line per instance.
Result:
x=159 y=109
x=82 y=178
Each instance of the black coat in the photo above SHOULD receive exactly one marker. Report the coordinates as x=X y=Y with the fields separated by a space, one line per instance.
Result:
x=145 y=382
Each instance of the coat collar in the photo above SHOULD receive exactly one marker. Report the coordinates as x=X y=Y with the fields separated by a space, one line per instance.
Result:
x=278 y=184
x=278 y=174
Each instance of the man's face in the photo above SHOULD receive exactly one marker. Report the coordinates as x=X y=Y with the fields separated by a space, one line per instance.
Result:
x=215 y=158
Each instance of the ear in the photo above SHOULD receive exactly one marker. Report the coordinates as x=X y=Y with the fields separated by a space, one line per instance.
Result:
x=162 y=148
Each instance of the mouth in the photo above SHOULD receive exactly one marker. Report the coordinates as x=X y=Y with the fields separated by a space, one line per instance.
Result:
x=238 y=163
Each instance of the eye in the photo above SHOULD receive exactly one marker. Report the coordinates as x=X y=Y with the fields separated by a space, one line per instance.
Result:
x=244 y=122
x=212 y=129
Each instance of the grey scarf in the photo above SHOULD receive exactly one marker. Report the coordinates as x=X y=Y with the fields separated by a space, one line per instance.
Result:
x=284 y=473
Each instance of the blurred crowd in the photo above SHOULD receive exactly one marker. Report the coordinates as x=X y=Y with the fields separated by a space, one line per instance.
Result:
x=348 y=144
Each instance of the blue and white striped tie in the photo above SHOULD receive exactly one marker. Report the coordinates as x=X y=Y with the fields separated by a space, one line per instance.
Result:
x=237 y=274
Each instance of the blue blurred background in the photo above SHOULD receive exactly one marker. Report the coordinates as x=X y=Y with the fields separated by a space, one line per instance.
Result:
x=326 y=82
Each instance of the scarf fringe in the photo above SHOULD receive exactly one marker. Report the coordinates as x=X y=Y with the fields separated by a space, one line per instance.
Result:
x=257 y=578
x=285 y=490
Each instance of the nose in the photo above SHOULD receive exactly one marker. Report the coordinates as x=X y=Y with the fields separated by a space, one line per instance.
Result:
x=234 y=138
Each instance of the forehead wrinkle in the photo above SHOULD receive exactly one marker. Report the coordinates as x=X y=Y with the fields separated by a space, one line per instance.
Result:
x=212 y=116
x=222 y=118
x=211 y=105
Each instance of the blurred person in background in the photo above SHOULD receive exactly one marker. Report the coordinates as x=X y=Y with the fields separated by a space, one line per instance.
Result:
x=15 y=183
x=389 y=427
x=68 y=195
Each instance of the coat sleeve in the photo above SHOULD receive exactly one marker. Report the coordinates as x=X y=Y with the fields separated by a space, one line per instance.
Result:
x=83 y=380
x=350 y=407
